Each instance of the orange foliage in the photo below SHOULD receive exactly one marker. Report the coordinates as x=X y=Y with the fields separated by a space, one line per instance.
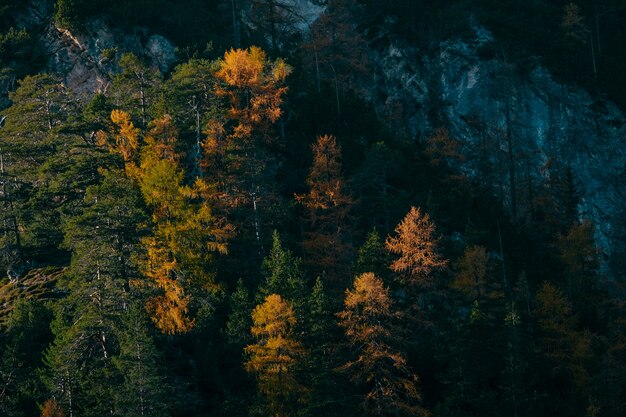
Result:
x=51 y=408
x=367 y=319
x=327 y=205
x=416 y=245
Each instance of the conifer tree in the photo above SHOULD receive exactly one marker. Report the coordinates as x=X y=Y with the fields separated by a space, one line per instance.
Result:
x=239 y=319
x=326 y=206
x=416 y=245
x=389 y=387
x=134 y=88
x=283 y=274
x=276 y=355
x=185 y=235
x=372 y=256
x=23 y=342
x=237 y=154
x=104 y=240
x=143 y=392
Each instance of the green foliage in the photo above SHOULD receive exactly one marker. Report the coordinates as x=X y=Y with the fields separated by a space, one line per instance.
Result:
x=23 y=341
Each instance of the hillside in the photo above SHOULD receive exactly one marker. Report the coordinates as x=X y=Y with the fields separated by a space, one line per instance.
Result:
x=312 y=208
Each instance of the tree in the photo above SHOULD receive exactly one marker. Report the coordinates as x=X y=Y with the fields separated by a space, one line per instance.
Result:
x=191 y=96
x=104 y=240
x=134 y=88
x=23 y=342
x=143 y=392
x=565 y=351
x=336 y=51
x=276 y=355
x=185 y=236
x=327 y=205
x=416 y=245
x=43 y=170
x=51 y=408
x=283 y=274
x=276 y=18
x=236 y=149
x=239 y=322
x=389 y=386
x=372 y=256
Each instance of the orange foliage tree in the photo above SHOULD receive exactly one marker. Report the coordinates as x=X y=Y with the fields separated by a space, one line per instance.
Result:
x=51 y=408
x=185 y=234
x=236 y=155
x=416 y=245
x=367 y=318
x=327 y=205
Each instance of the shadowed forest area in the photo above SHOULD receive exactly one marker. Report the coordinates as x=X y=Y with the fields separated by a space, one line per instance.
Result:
x=244 y=234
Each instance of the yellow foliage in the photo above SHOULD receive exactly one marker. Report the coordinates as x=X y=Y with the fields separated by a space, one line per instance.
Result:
x=276 y=353
x=127 y=137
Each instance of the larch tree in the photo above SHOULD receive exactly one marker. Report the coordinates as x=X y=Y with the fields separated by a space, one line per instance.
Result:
x=276 y=355
x=236 y=148
x=185 y=235
x=415 y=244
x=327 y=205
x=388 y=385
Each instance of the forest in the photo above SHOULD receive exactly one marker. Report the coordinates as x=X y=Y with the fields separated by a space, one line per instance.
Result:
x=245 y=235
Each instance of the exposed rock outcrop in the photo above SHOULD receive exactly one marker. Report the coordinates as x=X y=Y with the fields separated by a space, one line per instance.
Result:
x=85 y=59
x=517 y=129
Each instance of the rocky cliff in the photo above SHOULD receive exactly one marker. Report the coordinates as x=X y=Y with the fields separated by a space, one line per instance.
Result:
x=518 y=130
x=86 y=60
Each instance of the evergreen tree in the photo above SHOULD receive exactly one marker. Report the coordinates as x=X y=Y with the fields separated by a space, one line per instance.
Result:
x=104 y=239
x=23 y=343
x=283 y=274
x=144 y=390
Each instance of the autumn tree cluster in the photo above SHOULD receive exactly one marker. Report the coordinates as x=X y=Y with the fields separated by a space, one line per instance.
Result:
x=242 y=237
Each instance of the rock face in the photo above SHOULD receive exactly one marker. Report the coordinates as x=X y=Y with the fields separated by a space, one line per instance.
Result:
x=85 y=60
x=518 y=130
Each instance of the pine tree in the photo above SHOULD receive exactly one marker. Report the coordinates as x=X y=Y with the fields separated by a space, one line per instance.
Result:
x=283 y=274
x=372 y=256
x=23 y=342
x=239 y=322
x=134 y=88
x=143 y=392
x=104 y=240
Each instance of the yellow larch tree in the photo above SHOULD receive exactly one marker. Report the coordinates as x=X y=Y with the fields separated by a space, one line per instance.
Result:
x=276 y=354
x=185 y=233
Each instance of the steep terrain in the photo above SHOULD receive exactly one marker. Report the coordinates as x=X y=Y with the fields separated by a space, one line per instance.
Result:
x=486 y=103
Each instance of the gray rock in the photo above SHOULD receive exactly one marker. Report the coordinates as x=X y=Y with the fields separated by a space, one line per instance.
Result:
x=487 y=103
